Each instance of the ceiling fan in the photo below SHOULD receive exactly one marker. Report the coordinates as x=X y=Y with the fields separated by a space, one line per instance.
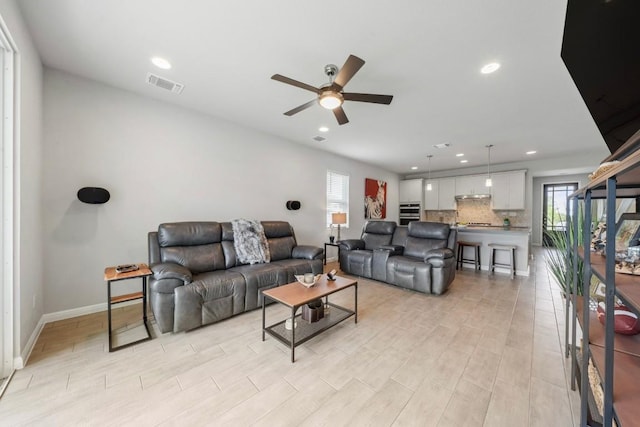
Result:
x=331 y=95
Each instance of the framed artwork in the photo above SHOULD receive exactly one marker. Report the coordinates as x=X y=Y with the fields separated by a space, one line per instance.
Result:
x=627 y=231
x=375 y=199
x=627 y=244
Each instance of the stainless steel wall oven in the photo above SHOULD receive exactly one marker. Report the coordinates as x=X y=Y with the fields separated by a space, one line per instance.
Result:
x=409 y=212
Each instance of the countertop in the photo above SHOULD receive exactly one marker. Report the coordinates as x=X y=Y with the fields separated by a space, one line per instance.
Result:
x=493 y=229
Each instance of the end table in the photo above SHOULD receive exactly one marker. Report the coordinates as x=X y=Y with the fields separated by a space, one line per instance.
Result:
x=324 y=256
x=110 y=276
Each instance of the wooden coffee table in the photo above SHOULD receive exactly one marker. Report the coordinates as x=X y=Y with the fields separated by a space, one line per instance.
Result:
x=295 y=295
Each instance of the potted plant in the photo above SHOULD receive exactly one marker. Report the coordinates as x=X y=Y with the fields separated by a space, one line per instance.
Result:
x=560 y=259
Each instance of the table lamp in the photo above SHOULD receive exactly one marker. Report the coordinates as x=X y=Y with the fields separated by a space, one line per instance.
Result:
x=338 y=218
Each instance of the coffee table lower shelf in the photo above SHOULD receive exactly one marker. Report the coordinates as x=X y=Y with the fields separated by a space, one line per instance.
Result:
x=304 y=330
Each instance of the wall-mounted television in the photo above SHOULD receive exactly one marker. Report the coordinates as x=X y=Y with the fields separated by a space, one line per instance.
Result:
x=601 y=49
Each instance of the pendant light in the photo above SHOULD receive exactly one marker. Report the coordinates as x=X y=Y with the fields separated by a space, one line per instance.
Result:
x=429 y=187
x=488 y=182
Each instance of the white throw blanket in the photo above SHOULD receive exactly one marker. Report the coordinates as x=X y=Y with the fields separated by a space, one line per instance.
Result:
x=250 y=242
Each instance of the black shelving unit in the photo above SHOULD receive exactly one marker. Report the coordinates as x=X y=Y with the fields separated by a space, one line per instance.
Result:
x=615 y=357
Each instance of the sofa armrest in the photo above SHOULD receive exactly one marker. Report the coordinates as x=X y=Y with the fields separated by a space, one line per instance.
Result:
x=306 y=252
x=437 y=257
x=169 y=270
x=393 y=249
x=351 y=244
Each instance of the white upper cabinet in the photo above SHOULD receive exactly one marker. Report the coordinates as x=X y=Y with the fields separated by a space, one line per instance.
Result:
x=508 y=191
x=442 y=196
x=431 y=196
x=471 y=184
x=447 y=194
x=411 y=191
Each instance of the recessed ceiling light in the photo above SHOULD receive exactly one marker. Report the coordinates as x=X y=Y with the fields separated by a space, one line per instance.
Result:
x=490 y=68
x=323 y=129
x=414 y=168
x=531 y=152
x=464 y=161
x=160 y=62
x=459 y=154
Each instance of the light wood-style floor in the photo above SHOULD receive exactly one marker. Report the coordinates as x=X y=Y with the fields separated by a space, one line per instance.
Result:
x=488 y=353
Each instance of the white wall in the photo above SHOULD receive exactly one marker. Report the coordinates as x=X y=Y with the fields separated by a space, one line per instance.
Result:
x=28 y=252
x=162 y=163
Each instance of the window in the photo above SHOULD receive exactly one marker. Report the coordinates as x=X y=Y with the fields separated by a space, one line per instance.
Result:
x=337 y=195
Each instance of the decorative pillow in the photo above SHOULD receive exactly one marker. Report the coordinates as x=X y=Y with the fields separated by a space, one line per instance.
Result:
x=250 y=242
x=625 y=321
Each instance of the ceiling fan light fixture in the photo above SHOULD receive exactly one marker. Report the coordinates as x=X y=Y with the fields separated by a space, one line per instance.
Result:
x=330 y=99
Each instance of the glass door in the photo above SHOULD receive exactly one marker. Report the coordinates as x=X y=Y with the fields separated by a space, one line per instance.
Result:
x=554 y=210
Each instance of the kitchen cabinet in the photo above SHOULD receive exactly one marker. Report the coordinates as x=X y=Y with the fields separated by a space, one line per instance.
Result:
x=442 y=196
x=508 y=191
x=447 y=194
x=431 y=202
x=411 y=191
x=471 y=184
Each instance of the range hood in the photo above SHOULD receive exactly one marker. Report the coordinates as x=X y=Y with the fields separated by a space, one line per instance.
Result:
x=472 y=196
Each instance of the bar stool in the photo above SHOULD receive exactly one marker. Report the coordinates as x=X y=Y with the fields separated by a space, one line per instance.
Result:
x=493 y=247
x=476 y=254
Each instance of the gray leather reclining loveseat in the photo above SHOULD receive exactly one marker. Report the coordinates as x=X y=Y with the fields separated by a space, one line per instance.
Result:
x=419 y=257
x=198 y=280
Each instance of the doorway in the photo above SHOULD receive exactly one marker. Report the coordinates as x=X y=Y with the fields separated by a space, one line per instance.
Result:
x=7 y=199
x=554 y=209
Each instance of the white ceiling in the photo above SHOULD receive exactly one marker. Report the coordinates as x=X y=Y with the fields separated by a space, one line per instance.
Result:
x=425 y=53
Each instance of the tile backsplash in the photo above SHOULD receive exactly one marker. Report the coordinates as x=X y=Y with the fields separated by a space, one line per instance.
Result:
x=478 y=211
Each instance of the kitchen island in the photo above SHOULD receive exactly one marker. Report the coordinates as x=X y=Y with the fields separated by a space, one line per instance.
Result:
x=518 y=236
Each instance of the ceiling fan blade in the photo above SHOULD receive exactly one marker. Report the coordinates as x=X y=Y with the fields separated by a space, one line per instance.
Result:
x=340 y=116
x=348 y=70
x=300 y=108
x=368 y=97
x=295 y=83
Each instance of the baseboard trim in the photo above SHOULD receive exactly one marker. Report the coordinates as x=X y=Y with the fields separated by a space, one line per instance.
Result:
x=74 y=312
x=21 y=361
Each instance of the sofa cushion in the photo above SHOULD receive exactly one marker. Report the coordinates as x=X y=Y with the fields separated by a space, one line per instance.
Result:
x=198 y=259
x=377 y=233
x=274 y=229
x=299 y=266
x=259 y=277
x=425 y=236
x=379 y=227
x=211 y=297
x=359 y=263
x=429 y=230
x=194 y=245
x=189 y=233
x=419 y=248
x=409 y=273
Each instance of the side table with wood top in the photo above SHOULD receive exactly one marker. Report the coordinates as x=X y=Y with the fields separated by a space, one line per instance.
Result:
x=110 y=276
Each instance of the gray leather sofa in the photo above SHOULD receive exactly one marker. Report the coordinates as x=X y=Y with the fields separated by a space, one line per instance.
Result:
x=419 y=257
x=197 y=279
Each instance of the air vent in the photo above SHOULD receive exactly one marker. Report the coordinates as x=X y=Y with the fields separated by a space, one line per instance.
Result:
x=318 y=138
x=163 y=83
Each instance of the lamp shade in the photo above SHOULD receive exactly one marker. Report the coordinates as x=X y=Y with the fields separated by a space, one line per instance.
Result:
x=338 y=218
